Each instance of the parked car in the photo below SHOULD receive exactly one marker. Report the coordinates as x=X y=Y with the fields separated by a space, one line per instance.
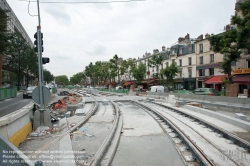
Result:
x=28 y=93
x=206 y=91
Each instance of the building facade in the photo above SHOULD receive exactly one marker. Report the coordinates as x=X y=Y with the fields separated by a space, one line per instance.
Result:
x=13 y=25
x=208 y=64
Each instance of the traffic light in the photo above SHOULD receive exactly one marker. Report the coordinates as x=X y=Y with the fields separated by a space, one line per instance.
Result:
x=36 y=42
x=45 y=60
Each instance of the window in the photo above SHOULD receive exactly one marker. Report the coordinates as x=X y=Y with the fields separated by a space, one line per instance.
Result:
x=201 y=60
x=211 y=58
x=161 y=66
x=201 y=48
x=173 y=60
x=153 y=69
x=248 y=64
x=180 y=73
x=211 y=71
x=189 y=73
x=180 y=52
x=166 y=64
x=190 y=61
x=202 y=72
x=180 y=62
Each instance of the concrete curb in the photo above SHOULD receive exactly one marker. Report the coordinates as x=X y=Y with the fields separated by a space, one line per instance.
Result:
x=240 y=123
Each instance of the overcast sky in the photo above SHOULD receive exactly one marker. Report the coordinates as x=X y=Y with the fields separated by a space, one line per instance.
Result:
x=77 y=34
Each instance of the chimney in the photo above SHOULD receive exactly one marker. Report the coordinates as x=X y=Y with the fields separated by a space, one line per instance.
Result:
x=181 y=39
x=207 y=36
x=200 y=37
x=155 y=51
x=163 y=48
x=187 y=36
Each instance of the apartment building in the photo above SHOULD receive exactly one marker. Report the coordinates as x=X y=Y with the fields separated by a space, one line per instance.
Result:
x=13 y=25
x=207 y=64
x=183 y=53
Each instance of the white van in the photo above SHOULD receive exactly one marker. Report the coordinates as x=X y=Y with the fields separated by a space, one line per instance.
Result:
x=158 y=88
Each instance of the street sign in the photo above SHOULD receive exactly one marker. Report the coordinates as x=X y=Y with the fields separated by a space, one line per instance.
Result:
x=36 y=95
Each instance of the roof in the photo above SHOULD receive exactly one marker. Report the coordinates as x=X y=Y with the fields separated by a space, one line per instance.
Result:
x=242 y=79
x=215 y=79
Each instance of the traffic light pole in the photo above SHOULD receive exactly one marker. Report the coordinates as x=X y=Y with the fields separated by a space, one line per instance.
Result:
x=40 y=67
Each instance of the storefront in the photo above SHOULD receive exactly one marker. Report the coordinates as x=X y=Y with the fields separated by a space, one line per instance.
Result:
x=128 y=84
x=146 y=83
x=189 y=83
x=242 y=77
x=179 y=83
x=215 y=82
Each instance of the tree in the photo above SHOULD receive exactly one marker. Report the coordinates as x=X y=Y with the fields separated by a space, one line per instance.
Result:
x=139 y=72
x=17 y=49
x=31 y=65
x=233 y=42
x=127 y=68
x=115 y=67
x=3 y=30
x=170 y=72
x=156 y=61
x=62 y=80
x=89 y=72
x=47 y=76
x=76 y=78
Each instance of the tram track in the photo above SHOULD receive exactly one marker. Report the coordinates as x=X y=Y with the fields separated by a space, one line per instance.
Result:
x=93 y=109
x=192 y=136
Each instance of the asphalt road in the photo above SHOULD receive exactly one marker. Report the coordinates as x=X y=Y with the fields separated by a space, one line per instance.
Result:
x=11 y=105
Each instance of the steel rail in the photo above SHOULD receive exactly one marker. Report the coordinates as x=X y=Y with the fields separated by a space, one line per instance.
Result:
x=96 y=160
x=226 y=134
x=205 y=139
x=201 y=157
x=95 y=106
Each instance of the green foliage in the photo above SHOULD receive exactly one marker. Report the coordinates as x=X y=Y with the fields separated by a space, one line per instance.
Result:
x=47 y=76
x=233 y=42
x=156 y=61
x=18 y=49
x=139 y=72
x=127 y=68
x=3 y=30
x=115 y=69
x=76 y=78
x=170 y=72
x=62 y=80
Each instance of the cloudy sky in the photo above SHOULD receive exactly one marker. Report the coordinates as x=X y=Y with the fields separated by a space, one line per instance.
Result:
x=77 y=34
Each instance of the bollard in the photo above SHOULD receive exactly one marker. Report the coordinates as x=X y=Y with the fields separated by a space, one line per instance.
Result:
x=38 y=163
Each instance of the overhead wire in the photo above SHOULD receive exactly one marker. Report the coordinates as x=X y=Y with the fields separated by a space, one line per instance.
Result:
x=118 y=1
x=29 y=10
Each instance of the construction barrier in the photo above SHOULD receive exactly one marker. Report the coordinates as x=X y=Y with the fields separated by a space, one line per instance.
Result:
x=7 y=93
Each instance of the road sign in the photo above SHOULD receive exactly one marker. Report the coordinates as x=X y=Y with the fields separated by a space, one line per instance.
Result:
x=36 y=95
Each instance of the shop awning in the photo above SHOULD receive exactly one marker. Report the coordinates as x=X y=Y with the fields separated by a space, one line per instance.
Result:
x=242 y=79
x=127 y=83
x=149 y=82
x=215 y=80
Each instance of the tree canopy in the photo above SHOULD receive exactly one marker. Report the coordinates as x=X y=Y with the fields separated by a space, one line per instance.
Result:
x=62 y=80
x=156 y=61
x=47 y=76
x=170 y=72
x=233 y=42
x=3 y=30
x=76 y=78
x=139 y=72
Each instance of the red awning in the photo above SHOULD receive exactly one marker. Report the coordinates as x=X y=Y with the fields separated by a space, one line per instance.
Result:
x=242 y=79
x=215 y=80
